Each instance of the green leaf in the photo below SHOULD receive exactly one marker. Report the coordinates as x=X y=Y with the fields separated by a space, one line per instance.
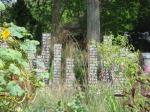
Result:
x=1 y=64
x=44 y=75
x=29 y=45
x=14 y=89
x=41 y=83
x=14 y=56
x=17 y=31
x=2 y=6
x=1 y=89
x=2 y=80
x=14 y=69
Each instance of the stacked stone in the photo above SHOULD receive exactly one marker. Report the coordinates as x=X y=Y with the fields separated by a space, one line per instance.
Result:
x=118 y=83
x=4 y=45
x=57 y=62
x=146 y=62
x=107 y=75
x=92 y=64
x=107 y=72
x=108 y=39
x=46 y=37
x=118 y=80
x=146 y=66
x=31 y=58
x=70 y=76
x=40 y=67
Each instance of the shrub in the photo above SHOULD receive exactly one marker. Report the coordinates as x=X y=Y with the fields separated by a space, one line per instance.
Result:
x=17 y=80
x=120 y=59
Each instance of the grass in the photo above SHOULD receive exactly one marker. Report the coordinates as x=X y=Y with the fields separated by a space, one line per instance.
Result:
x=97 y=98
x=47 y=99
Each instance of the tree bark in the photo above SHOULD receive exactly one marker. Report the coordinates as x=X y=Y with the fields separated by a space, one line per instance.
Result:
x=56 y=13
x=93 y=20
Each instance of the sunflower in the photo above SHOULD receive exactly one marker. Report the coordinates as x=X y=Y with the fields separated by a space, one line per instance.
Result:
x=5 y=33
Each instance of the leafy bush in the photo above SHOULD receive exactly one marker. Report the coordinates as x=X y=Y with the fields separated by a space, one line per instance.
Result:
x=18 y=83
x=120 y=59
x=2 y=6
x=75 y=105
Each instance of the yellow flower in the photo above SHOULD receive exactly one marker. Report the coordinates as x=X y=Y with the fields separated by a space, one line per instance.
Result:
x=5 y=33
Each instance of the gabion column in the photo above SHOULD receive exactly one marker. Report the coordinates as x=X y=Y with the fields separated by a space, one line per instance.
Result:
x=70 y=76
x=118 y=79
x=57 y=62
x=46 y=38
x=40 y=67
x=107 y=72
x=146 y=62
x=108 y=39
x=118 y=83
x=107 y=75
x=92 y=64
x=31 y=58
x=4 y=45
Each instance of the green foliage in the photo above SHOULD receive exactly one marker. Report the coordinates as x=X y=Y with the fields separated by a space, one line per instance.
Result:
x=118 y=52
x=14 y=89
x=143 y=16
x=41 y=11
x=80 y=66
x=17 y=31
x=98 y=98
x=75 y=105
x=15 y=78
x=73 y=11
x=11 y=55
x=2 y=6
x=13 y=69
x=112 y=104
x=29 y=46
x=121 y=56
x=123 y=14
x=1 y=64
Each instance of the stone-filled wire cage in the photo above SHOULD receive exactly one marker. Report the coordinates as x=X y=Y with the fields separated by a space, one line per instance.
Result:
x=9 y=1
x=42 y=64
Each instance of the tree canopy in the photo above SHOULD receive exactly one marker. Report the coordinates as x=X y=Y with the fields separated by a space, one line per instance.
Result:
x=116 y=16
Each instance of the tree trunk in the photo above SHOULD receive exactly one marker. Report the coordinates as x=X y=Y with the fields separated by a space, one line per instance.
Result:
x=93 y=20
x=56 y=17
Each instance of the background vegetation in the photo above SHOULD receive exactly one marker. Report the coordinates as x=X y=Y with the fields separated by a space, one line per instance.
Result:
x=116 y=16
x=68 y=21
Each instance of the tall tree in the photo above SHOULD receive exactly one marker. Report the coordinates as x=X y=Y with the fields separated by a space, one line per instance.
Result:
x=119 y=16
x=143 y=23
x=93 y=20
x=56 y=15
